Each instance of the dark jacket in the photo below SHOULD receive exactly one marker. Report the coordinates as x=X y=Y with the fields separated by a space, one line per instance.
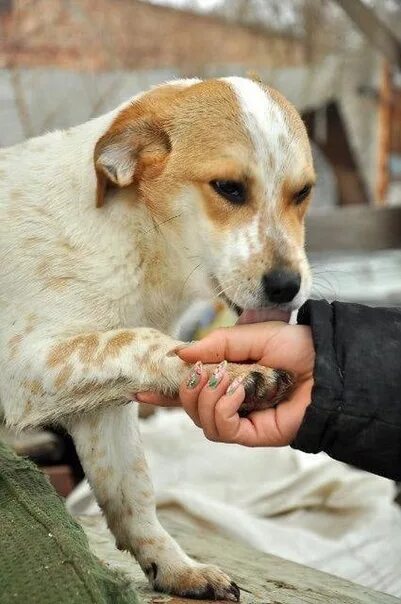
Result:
x=355 y=414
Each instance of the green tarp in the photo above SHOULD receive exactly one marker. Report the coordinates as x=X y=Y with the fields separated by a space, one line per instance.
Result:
x=44 y=554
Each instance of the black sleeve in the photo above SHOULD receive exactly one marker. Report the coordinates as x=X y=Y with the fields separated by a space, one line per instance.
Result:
x=355 y=413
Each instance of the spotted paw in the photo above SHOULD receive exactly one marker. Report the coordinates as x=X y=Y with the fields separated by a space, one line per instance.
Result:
x=200 y=582
x=264 y=388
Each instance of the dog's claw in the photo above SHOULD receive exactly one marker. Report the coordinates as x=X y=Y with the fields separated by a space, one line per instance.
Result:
x=232 y=593
x=200 y=583
x=235 y=590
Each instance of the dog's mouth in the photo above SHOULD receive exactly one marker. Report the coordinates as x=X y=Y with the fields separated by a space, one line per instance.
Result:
x=257 y=315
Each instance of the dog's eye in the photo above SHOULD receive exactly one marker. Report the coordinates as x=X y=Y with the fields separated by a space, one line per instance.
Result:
x=302 y=194
x=231 y=190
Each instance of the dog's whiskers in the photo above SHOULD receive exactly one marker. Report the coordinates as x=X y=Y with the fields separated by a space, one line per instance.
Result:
x=156 y=225
x=223 y=290
x=190 y=274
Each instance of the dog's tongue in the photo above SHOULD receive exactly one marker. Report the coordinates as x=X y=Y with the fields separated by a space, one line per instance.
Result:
x=259 y=315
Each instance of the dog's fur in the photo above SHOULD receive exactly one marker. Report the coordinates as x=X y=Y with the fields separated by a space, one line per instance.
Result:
x=107 y=232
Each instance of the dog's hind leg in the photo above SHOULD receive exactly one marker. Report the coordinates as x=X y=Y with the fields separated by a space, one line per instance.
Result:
x=109 y=446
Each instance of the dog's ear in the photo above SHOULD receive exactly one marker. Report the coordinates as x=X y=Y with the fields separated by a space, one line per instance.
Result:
x=131 y=144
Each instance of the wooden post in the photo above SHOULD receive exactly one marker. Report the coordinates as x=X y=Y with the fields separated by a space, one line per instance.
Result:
x=375 y=30
x=384 y=134
x=338 y=151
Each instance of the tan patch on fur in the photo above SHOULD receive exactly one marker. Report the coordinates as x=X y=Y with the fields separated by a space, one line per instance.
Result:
x=34 y=387
x=14 y=344
x=58 y=283
x=85 y=345
x=64 y=376
x=114 y=346
x=27 y=407
x=148 y=361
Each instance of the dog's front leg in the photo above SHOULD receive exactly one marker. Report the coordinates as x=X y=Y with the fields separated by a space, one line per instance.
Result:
x=110 y=449
x=54 y=378
x=85 y=382
x=49 y=380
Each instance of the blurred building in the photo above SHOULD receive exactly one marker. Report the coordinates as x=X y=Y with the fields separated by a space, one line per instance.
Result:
x=63 y=61
x=129 y=34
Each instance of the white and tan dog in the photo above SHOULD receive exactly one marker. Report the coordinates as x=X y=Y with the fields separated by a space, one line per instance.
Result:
x=107 y=232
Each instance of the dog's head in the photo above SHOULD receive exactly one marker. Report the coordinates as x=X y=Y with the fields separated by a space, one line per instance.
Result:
x=231 y=157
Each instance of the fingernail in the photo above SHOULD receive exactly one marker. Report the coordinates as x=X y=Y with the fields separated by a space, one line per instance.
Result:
x=177 y=349
x=217 y=375
x=234 y=385
x=195 y=375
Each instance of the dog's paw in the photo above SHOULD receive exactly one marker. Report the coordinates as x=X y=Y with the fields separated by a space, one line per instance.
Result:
x=198 y=581
x=264 y=387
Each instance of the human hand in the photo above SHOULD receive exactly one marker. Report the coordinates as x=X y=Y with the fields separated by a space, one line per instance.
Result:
x=215 y=409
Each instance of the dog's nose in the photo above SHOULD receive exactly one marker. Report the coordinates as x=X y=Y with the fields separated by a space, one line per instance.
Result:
x=281 y=285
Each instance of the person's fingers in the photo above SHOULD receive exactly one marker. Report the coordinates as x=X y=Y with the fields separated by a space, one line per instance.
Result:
x=226 y=418
x=190 y=389
x=273 y=344
x=278 y=426
x=208 y=398
x=258 y=429
x=153 y=398
x=239 y=343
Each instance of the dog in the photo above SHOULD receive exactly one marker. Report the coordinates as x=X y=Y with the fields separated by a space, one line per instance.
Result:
x=108 y=231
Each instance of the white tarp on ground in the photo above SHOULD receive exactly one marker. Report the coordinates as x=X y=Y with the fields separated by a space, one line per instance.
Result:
x=305 y=508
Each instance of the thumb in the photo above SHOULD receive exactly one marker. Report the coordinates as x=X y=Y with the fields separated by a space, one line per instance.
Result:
x=236 y=344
